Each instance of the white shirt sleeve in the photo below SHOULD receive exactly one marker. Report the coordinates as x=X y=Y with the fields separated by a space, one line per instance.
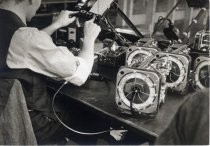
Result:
x=35 y=50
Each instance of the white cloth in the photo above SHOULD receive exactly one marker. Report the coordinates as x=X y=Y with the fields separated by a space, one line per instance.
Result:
x=35 y=50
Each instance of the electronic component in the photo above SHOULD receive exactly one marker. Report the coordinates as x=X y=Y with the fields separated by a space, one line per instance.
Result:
x=178 y=77
x=135 y=83
x=67 y=37
x=201 y=68
x=98 y=8
x=178 y=49
x=137 y=91
x=202 y=41
x=201 y=72
x=163 y=67
x=173 y=67
x=146 y=59
x=88 y=15
x=136 y=55
x=112 y=56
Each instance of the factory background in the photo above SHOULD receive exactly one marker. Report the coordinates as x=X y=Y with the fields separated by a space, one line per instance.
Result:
x=145 y=13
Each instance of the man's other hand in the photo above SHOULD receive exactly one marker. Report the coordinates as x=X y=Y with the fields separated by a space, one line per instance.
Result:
x=64 y=18
x=91 y=30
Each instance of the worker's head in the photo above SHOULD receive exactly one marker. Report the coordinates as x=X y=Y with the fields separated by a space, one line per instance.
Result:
x=28 y=7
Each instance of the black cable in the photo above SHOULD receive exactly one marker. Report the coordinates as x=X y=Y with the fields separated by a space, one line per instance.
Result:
x=69 y=128
x=131 y=105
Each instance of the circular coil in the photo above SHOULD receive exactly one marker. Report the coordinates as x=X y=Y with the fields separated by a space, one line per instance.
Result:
x=177 y=73
x=202 y=76
x=139 y=88
x=137 y=57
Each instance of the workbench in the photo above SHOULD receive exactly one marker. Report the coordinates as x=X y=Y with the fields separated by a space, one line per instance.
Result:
x=99 y=98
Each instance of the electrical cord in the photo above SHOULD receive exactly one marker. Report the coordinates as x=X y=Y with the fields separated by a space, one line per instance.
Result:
x=133 y=94
x=131 y=105
x=69 y=128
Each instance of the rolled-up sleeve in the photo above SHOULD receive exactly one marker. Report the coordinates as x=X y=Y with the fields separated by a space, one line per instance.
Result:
x=80 y=76
x=35 y=50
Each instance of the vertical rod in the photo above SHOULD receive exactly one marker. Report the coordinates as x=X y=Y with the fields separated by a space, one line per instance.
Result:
x=184 y=37
x=158 y=25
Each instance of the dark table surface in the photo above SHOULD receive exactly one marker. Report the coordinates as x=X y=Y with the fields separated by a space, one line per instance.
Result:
x=99 y=97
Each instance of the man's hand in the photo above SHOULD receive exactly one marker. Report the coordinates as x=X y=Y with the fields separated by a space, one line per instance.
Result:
x=91 y=30
x=64 y=18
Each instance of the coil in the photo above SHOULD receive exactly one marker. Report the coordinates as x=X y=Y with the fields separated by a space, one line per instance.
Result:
x=137 y=91
x=201 y=73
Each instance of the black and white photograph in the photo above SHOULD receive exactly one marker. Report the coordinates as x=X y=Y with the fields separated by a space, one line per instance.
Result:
x=104 y=72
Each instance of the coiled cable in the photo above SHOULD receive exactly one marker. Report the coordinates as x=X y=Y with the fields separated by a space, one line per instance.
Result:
x=69 y=128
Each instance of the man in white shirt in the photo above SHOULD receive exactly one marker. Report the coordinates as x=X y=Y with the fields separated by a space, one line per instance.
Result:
x=30 y=55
